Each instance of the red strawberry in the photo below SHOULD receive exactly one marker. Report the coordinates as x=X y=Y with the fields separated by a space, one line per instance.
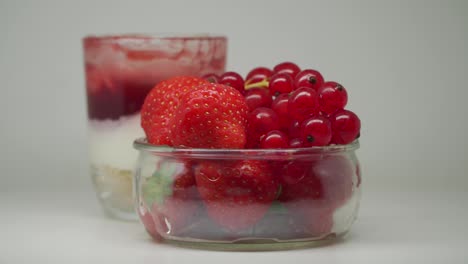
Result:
x=319 y=222
x=147 y=220
x=237 y=194
x=160 y=104
x=299 y=183
x=210 y=116
x=336 y=172
x=303 y=195
x=173 y=196
x=313 y=189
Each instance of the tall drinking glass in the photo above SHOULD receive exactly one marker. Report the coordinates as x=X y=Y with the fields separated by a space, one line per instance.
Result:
x=120 y=71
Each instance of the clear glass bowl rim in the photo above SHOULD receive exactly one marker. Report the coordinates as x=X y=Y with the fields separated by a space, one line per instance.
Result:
x=142 y=144
x=135 y=37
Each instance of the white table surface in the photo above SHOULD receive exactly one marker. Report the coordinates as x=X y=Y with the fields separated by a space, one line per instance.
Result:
x=70 y=228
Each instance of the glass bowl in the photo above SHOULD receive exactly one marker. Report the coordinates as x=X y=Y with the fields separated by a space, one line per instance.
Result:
x=247 y=199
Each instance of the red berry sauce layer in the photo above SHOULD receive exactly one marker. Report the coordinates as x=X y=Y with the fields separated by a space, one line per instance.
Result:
x=115 y=98
x=121 y=70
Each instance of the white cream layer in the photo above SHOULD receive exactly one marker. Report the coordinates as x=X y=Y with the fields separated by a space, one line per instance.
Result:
x=111 y=142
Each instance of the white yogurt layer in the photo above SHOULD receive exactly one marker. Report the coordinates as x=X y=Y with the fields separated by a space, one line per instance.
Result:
x=111 y=142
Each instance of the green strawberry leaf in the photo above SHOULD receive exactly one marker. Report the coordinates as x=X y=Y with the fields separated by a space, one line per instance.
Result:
x=278 y=208
x=159 y=185
x=278 y=193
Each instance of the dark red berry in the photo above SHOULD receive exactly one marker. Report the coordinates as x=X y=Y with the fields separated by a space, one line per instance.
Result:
x=316 y=131
x=258 y=74
x=303 y=102
x=295 y=143
x=295 y=129
x=287 y=67
x=291 y=172
x=280 y=106
x=258 y=97
x=309 y=78
x=280 y=83
x=259 y=122
x=234 y=80
x=332 y=97
x=274 y=140
x=345 y=127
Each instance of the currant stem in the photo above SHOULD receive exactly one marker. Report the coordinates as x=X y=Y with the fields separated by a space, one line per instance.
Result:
x=261 y=84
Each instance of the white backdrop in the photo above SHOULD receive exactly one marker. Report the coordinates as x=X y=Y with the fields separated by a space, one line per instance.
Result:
x=404 y=63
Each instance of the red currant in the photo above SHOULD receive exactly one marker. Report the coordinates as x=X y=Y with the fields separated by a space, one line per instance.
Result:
x=303 y=102
x=258 y=74
x=316 y=131
x=259 y=122
x=292 y=172
x=274 y=140
x=281 y=83
x=234 y=80
x=295 y=143
x=295 y=129
x=287 y=67
x=346 y=126
x=309 y=78
x=280 y=106
x=211 y=77
x=332 y=97
x=258 y=97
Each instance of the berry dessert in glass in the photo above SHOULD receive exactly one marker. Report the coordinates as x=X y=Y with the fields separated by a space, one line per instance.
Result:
x=262 y=163
x=120 y=71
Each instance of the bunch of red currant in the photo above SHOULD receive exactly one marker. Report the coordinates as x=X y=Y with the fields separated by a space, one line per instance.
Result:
x=293 y=108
